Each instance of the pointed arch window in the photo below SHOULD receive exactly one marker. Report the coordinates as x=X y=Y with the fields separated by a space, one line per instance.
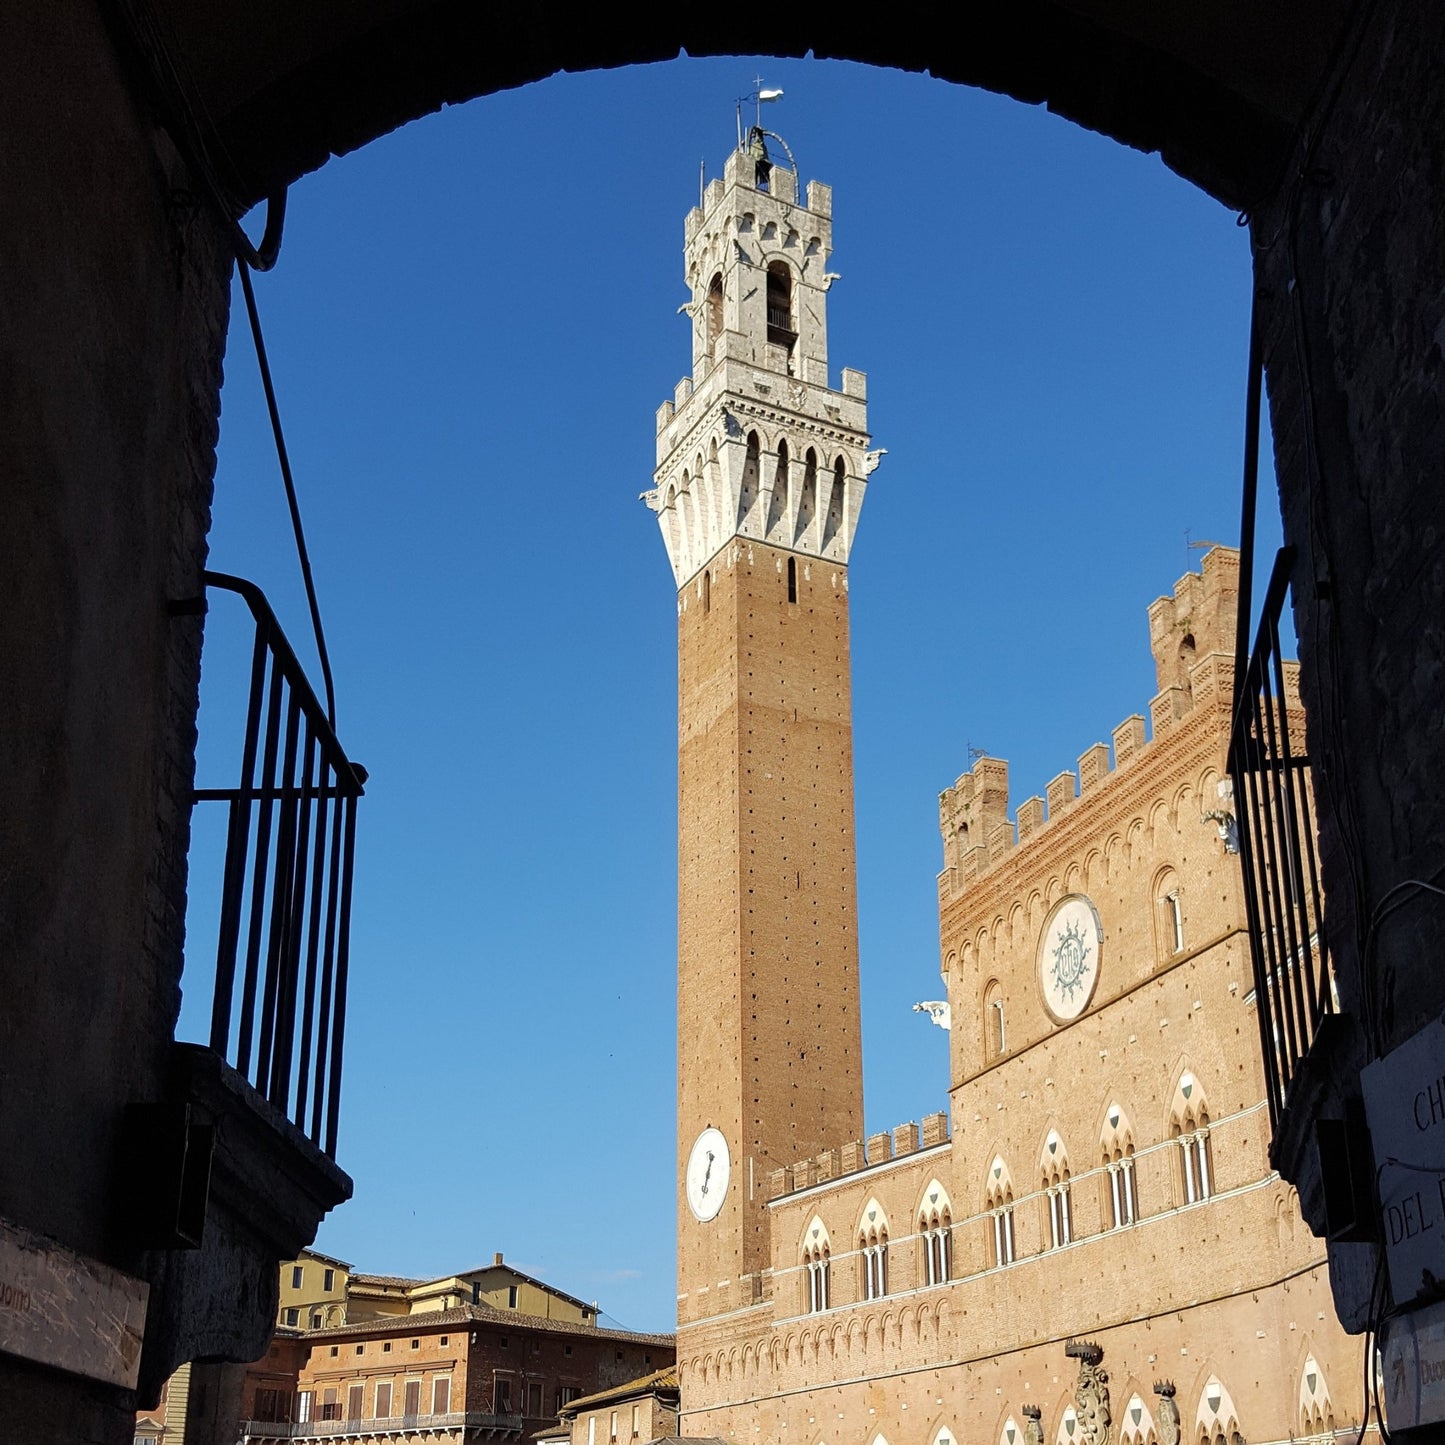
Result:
x=1055 y=1168
x=1001 y=1212
x=1117 y=1143
x=1122 y=1187
x=1190 y=1124
x=935 y=1232
x=817 y=1281
x=873 y=1251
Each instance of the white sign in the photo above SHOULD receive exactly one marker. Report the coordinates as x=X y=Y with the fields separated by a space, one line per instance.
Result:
x=61 y=1309
x=1405 y=1105
x=1412 y=1355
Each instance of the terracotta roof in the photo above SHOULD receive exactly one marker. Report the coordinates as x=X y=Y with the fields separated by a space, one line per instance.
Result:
x=664 y=1379
x=481 y=1314
x=389 y=1281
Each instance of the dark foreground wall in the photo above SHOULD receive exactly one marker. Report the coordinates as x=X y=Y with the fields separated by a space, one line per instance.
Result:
x=113 y=310
x=1350 y=259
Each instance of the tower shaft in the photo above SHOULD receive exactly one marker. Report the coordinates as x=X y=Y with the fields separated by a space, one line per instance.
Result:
x=761 y=473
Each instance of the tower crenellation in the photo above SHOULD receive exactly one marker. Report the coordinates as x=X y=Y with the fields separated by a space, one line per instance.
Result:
x=1191 y=634
x=755 y=444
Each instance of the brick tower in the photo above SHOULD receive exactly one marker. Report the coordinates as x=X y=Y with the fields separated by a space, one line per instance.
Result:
x=760 y=478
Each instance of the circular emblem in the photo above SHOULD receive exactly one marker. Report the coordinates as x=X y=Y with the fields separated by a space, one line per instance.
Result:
x=1069 y=958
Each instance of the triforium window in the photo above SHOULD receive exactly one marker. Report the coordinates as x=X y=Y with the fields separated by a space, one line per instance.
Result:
x=1000 y=1196
x=874 y=1254
x=815 y=1263
x=1061 y=1224
x=1197 y=1162
x=935 y=1233
x=1122 y=1196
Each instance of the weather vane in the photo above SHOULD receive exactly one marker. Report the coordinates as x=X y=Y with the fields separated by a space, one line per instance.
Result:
x=760 y=96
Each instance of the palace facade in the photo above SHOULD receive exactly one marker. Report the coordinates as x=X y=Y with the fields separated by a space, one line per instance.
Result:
x=1087 y=1241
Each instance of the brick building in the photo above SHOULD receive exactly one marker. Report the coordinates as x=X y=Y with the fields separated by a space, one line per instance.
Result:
x=628 y=1414
x=431 y=1360
x=1101 y=1167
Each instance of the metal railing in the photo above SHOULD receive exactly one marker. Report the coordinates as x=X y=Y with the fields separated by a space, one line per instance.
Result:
x=279 y=1012
x=1275 y=814
x=386 y=1425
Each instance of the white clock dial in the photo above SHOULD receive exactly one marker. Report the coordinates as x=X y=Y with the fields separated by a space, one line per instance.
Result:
x=709 y=1167
x=1069 y=954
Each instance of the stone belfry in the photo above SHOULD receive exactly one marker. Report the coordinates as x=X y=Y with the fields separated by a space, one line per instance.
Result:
x=760 y=477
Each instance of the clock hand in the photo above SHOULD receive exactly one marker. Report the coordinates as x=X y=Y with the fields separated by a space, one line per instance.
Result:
x=708 y=1172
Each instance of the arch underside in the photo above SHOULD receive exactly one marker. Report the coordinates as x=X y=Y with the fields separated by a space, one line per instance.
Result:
x=1216 y=88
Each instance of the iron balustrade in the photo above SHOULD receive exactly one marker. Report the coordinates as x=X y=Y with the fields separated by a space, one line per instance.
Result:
x=484 y=1424
x=1275 y=815
x=279 y=1011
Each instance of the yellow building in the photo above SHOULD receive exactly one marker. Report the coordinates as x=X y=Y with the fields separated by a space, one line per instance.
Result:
x=320 y=1292
x=1101 y=1167
x=313 y=1291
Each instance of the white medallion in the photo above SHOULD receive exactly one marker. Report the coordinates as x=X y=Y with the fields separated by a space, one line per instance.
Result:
x=1069 y=954
x=709 y=1167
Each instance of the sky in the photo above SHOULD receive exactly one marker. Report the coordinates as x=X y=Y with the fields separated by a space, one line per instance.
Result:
x=472 y=324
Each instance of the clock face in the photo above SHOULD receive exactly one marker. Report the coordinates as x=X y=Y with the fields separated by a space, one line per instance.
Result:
x=708 y=1169
x=1069 y=955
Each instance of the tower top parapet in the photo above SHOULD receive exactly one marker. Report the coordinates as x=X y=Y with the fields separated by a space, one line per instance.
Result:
x=755 y=443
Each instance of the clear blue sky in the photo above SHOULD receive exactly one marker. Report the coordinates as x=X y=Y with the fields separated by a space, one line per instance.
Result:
x=472 y=325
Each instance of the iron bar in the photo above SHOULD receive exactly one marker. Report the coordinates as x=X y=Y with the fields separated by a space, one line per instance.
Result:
x=1283 y=901
x=287 y=887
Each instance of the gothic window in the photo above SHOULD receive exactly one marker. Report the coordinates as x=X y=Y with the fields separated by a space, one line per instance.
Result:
x=714 y=312
x=1137 y=1426
x=1000 y=1197
x=780 y=305
x=706 y=607
x=1117 y=1143
x=935 y=1233
x=1317 y=1413
x=792 y=579
x=1055 y=1168
x=1190 y=1127
x=873 y=1251
x=995 y=1038
x=1216 y=1422
x=816 y=1268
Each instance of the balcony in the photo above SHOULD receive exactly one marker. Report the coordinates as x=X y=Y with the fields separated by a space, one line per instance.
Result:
x=279 y=1009
x=1305 y=1042
x=241 y=1149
